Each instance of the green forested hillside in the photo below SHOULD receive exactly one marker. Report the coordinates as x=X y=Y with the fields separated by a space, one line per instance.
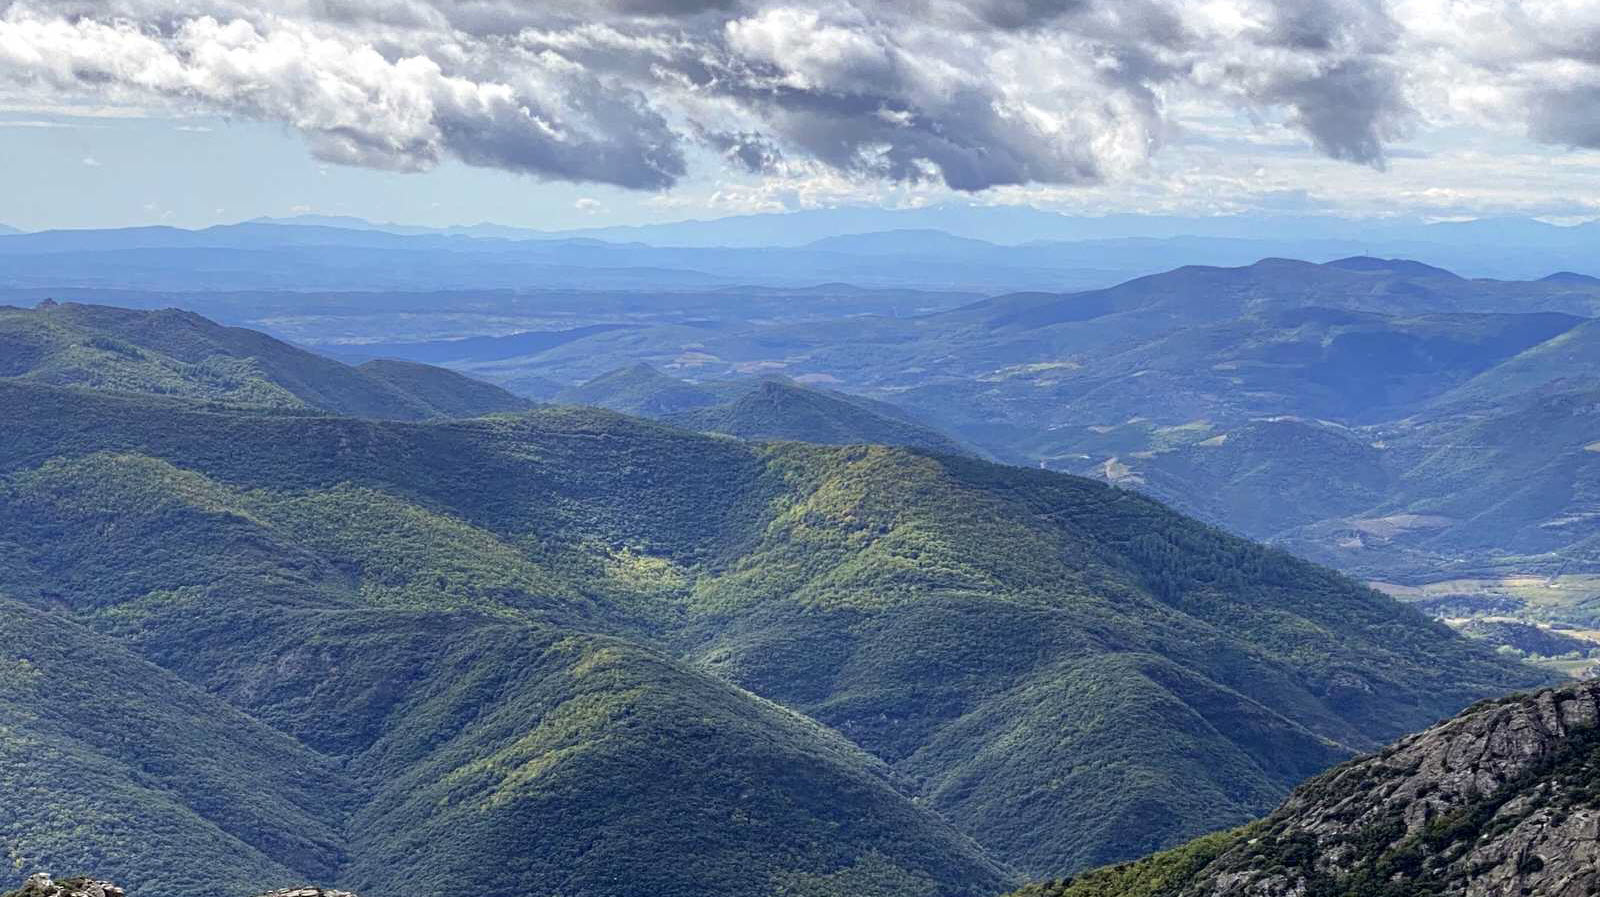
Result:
x=177 y=353
x=1065 y=672
x=108 y=762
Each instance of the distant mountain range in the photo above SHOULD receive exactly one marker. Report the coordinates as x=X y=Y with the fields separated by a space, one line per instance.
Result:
x=1481 y=247
x=1020 y=224
x=906 y=249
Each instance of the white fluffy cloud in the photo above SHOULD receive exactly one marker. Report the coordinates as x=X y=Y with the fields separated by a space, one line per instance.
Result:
x=971 y=93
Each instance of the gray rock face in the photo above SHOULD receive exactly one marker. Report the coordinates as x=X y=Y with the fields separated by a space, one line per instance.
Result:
x=1502 y=800
x=40 y=884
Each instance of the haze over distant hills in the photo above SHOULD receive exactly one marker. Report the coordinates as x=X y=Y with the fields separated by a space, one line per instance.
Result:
x=989 y=249
x=1500 y=247
x=1019 y=224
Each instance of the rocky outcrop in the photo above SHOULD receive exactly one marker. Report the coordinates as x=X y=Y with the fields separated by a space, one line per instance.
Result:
x=1502 y=800
x=42 y=885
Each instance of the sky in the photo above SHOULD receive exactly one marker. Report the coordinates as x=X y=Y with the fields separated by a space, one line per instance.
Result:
x=595 y=112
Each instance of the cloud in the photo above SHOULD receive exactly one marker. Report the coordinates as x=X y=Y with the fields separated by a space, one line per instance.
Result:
x=353 y=104
x=970 y=94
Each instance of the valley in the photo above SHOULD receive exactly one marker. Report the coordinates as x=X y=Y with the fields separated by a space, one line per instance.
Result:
x=566 y=577
x=837 y=590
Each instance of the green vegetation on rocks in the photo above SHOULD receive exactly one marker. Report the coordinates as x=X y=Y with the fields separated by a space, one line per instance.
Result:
x=1503 y=799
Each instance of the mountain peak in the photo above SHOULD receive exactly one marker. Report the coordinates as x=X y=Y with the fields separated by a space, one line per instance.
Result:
x=1405 y=267
x=1571 y=277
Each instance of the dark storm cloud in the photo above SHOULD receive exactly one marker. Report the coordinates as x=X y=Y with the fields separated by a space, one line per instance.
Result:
x=1569 y=117
x=1025 y=13
x=750 y=151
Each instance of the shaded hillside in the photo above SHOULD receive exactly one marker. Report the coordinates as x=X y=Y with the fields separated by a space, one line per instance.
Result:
x=1571 y=359
x=773 y=409
x=1500 y=800
x=1510 y=490
x=640 y=389
x=984 y=632
x=458 y=743
x=1352 y=368
x=178 y=353
x=1265 y=477
x=440 y=392
x=111 y=763
x=1514 y=490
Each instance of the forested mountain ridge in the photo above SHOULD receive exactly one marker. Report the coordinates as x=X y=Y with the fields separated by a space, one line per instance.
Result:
x=581 y=586
x=1502 y=799
x=178 y=353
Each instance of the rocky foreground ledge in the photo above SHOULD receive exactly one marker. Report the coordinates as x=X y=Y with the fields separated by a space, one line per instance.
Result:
x=42 y=885
x=1501 y=801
